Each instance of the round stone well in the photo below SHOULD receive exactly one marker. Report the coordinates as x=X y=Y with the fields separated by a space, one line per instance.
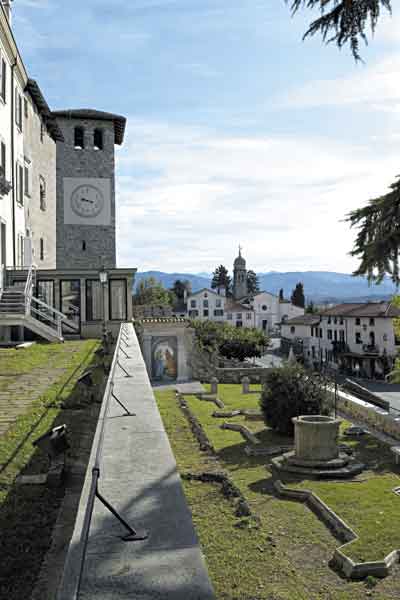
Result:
x=317 y=452
x=316 y=438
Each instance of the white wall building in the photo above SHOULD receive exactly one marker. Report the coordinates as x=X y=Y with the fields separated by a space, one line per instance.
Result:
x=357 y=338
x=270 y=311
x=208 y=305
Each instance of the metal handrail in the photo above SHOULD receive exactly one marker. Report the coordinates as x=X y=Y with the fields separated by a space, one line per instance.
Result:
x=96 y=469
x=51 y=308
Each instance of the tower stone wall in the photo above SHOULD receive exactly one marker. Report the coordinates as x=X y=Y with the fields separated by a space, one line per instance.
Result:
x=92 y=244
x=239 y=277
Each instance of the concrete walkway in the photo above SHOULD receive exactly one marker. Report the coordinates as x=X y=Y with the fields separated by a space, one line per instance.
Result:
x=140 y=479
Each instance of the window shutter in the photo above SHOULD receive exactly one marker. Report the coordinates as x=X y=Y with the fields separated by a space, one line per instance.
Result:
x=3 y=157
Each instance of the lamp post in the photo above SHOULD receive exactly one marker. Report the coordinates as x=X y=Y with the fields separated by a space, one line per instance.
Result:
x=103 y=276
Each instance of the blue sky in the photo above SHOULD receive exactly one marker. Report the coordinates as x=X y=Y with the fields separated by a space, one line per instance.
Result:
x=238 y=132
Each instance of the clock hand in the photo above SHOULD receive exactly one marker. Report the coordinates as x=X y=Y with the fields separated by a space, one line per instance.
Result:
x=86 y=200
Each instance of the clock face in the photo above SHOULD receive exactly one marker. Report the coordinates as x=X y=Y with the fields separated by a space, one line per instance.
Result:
x=87 y=201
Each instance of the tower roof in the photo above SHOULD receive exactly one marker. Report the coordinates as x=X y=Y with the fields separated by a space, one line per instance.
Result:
x=98 y=115
x=240 y=261
x=34 y=90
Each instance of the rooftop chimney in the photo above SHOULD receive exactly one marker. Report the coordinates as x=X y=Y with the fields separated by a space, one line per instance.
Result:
x=7 y=8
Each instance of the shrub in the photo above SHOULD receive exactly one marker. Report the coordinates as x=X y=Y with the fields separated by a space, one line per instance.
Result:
x=291 y=391
x=231 y=342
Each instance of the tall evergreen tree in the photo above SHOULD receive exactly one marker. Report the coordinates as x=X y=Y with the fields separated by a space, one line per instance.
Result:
x=378 y=239
x=221 y=280
x=253 y=284
x=343 y=21
x=180 y=286
x=297 y=297
x=281 y=297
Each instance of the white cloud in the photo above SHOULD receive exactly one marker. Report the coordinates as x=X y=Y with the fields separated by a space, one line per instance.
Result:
x=374 y=86
x=187 y=196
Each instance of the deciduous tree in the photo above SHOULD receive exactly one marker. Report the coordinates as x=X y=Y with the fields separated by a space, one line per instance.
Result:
x=151 y=291
x=291 y=391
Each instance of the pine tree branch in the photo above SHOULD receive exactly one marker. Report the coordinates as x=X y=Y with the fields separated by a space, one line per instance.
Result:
x=343 y=21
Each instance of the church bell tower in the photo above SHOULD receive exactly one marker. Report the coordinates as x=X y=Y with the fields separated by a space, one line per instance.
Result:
x=239 y=277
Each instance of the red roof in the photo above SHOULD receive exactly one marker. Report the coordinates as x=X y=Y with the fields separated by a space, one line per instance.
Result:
x=363 y=309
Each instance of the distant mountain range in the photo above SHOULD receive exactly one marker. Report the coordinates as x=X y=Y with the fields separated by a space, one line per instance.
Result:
x=319 y=286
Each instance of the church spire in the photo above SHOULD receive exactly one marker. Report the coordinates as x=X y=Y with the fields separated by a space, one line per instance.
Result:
x=239 y=276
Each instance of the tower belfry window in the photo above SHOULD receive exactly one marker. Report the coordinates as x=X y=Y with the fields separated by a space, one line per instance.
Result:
x=98 y=139
x=79 y=138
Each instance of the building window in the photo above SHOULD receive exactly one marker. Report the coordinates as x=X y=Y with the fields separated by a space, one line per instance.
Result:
x=98 y=139
x=218 y=312
x=26 y=113
x=218 y=303
x=79 y=138
x=19 y=184
x=239 y=316
x=3 y=81
x=193 y=304
x=94 y=300
x=264 y=307
x=320 y=333
x=83 y=245
x=372 y=322
x=42 y=187
x=329 y=320
x=341 y=335
x=205 y=313
x=27 y=179
x=312 y=331
x=3 y=158
x=41 y=131
x=20 y=250
x=292 y=329
x=358 y=321
x=205 y=303
x=229 y=316
x=41 y=251
x=335 y=335
x=117 y=299
x=248 y=316
x=341 y=321
x=329 y=334
x=18 y=109
x=358 y=337
x=335 y=320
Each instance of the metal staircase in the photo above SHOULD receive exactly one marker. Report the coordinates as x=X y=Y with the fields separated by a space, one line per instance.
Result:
x=18 y=306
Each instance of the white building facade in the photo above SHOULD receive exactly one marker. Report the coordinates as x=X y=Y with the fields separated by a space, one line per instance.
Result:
x=270 y=311
x=356 y=338
x=208 y=305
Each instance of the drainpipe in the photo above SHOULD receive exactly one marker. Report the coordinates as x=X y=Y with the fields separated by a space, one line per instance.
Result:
x=13 y=174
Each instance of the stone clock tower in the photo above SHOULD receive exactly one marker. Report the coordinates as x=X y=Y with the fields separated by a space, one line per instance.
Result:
x=86 y=188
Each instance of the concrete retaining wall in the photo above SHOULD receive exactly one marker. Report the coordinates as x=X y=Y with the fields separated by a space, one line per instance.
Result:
x=236 y=374
x=351 y=569
x=374 y=416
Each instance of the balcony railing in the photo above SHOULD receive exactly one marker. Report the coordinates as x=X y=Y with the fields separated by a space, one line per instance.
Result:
x=370 y=348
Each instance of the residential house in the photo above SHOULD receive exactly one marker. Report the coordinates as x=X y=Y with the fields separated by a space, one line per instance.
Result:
x=356 y=338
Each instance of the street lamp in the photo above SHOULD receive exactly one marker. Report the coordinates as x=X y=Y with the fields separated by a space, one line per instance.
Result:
x=103 y=276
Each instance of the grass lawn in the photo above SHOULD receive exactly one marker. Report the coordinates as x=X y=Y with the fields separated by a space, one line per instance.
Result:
x=287 y=557
x=28 y=513
x=369 y=505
